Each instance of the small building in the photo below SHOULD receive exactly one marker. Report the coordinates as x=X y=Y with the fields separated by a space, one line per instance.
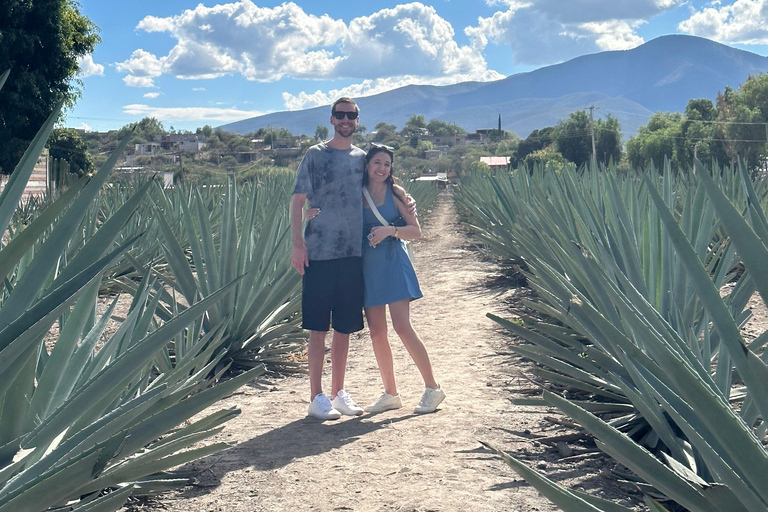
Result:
x=447 y=140
x=497 y=163
x=146 y=149
x=440 y=179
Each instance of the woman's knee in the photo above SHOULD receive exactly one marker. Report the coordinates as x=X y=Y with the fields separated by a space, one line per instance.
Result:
x=402 y=326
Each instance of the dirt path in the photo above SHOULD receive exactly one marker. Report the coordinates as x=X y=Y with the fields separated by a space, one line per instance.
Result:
x=395 y=461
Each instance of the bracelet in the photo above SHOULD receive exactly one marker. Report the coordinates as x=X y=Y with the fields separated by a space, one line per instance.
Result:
x=395 y=233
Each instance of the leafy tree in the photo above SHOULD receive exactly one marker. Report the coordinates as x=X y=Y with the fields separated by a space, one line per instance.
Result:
x=547 y=155
x=744 y=114
x=321 y=132
x=205 y=131
x=66 y=144
x=386 y=133
x=655 y=141
x=146 y=130
x=440 y=128
x=573 y=138
x=536 y=140
x=608 y=139
x=413 y=126
x=41 y=41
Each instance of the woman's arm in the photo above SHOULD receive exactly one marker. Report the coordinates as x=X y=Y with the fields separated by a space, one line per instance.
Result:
x=411 y=231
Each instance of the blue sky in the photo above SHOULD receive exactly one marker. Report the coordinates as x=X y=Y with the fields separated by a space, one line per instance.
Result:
x=191 y=64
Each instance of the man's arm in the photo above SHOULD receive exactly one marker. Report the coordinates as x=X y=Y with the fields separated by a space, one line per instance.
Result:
x=299 y=258
x=406 y=198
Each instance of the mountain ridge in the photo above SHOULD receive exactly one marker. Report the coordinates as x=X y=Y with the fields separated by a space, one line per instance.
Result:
x=660 y=75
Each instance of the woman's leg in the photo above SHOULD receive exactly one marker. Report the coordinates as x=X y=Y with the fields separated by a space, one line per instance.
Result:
x=401 y=322
x=377 y=324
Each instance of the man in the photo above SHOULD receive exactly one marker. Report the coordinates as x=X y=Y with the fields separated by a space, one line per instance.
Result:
x=328 y=256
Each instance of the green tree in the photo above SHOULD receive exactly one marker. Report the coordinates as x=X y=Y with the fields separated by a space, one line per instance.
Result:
x=440 y=128
x=548 y=155
x=66 y=144
x=41 y=42
x=321 y=132
x=536 y=140
x=146 y=130
x=656 y=141
x=744 y=114
x=608 y=139
x=205 y=131
x=573 y=138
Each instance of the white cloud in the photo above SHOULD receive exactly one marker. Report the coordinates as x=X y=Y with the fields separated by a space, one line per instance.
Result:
x=305 y=100
x=142 y=67
x=88 y=67
x=267 y=44
x=138 y=81
x=742 y=22
x=152 y=95
x=410 y=39
x=198 y=89
x=261 y=43
x=190 y=113
x=85 y=126
x=548 y=31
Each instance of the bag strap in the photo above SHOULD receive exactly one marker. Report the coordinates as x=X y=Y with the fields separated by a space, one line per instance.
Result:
x=373 y=207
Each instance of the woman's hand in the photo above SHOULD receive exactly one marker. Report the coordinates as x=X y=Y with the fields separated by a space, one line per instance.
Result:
x=311 y=213
x=379 y=233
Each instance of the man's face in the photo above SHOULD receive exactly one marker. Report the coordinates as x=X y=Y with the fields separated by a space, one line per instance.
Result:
x=345 y=127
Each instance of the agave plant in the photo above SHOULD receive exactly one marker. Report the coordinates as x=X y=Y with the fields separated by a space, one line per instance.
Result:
x=245 y=234
x=632 y=278
x=83 y=428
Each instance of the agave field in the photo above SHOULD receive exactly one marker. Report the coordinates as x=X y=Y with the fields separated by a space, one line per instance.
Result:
x=100 y=415
x=636 y=323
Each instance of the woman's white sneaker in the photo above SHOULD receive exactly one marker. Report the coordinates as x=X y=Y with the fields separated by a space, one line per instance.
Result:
x=345 y=405
x=322 y=409
x=430 y=400
x=386 y=402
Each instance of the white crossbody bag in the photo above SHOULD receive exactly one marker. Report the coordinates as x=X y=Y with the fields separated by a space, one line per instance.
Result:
x=408 y=248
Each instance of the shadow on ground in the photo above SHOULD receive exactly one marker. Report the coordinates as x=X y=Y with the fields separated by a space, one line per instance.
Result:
x=279 y=447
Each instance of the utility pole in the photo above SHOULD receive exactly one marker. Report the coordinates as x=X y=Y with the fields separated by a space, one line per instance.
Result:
x=592 y=128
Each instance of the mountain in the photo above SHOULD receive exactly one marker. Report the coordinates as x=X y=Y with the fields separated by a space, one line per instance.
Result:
x=660 y=75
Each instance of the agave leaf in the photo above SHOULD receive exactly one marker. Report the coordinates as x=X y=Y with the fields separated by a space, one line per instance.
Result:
x=14 y=188
x=750 y=367
x=24 y=240
x=636 y=458
x=110 y=502
x=555 y=493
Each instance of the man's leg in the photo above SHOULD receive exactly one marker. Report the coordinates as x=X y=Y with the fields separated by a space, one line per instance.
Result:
x=315 y=359
x=339 y=353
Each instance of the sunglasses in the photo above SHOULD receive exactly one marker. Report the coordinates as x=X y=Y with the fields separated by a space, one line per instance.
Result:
x=340 y=115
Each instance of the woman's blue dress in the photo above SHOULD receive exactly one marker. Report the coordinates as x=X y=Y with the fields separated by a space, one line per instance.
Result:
x=388 y=274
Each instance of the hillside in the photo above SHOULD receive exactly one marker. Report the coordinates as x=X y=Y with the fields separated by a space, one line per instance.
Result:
x=660 y=75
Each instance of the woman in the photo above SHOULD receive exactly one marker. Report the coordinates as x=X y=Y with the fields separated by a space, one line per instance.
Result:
x=389 y=279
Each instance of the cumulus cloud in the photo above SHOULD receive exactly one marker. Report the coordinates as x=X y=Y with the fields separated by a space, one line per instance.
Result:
x=305 y=100
x=142 y=67
x=268 y=44
x=548 y=31
x=88 y=67
x=152 y=95
x=739 y=23
x=190 y=113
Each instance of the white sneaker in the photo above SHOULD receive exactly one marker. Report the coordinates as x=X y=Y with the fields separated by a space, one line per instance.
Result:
x=386 y=402
x=345 y=405
x=322 y=409
x=430 y=400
